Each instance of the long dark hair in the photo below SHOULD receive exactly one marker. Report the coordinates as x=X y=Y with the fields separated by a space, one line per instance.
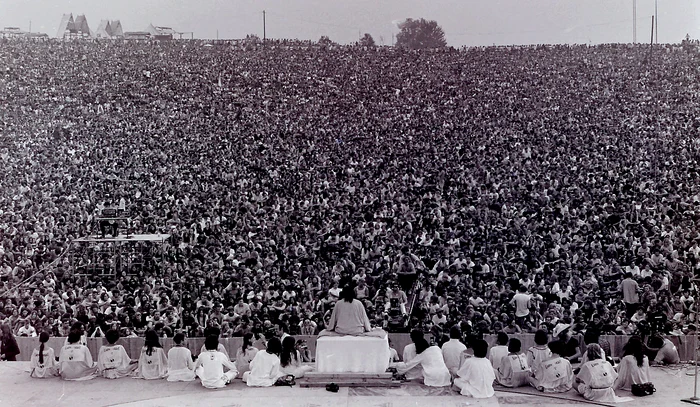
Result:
x=289 y=351
x=421 y=345
x=274 y=346
x=43 y=338
x=635 y=348
x=247 y=341
x=347 y=294
x=152 y=341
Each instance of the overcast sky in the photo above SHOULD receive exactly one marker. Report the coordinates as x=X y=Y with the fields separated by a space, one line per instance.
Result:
x=466 y=22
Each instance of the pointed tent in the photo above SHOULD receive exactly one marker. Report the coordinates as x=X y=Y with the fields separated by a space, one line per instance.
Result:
x=151 y=30
x=116 y=27
x=66 y=24
x=82 y=27
x=104 y=30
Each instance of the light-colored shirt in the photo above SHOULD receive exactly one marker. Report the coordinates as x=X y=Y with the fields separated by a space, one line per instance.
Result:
x=452 y=353
x=212 y=365
x=180 y=365
x=435 y=372
x=349 y=318
x=475 y=378
x=264 y=370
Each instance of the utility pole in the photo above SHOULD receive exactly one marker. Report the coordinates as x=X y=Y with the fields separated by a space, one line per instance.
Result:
x=30 y=26
x=656 y=14
x=264 y=27
x=634 y=21
x=651 y=46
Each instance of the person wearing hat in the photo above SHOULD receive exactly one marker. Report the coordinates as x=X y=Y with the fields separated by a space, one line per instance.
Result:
x=570 y=347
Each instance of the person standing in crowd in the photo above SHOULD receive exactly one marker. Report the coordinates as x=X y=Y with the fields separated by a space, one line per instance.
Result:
x=475 y=377
x=521 y=300
x=153 y=363
x=211 y=363
x=43 y=362
x=112 y=360
x=630 y=294
x=180 y=363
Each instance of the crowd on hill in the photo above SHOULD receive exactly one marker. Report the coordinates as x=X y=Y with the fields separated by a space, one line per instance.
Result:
x=501 y=189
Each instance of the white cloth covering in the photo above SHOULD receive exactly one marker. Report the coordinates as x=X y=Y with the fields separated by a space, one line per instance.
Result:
x=210 y=369
x=243 y=359
x=409 y=352
x=554 y=376
x=536 y=355
x=153 y=366
x=452 y=354
x=496 y=353
x=595 y=382
x=475 y=378
x=435 y=372
x=264 y=370
x=629 y=373
x=513 y=371
x=76 y=363
x=114 y=363
x=43 y=370
x=356 y=354
x=180 y=365
x=221 y=348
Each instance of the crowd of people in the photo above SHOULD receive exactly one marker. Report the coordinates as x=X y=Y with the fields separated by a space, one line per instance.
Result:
x=500 y=189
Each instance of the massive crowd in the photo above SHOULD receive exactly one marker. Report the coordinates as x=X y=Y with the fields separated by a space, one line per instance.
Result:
x=501 y=189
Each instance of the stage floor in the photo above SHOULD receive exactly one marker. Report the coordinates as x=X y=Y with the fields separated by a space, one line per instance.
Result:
x=18 y=389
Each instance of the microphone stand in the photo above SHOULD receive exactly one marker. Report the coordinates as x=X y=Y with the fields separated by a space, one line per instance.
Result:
x=695 y=399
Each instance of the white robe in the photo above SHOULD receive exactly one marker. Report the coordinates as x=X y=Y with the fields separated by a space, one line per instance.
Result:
x=629 y=373
x=180 y=365
x=296 y=368
x=243 y=359
x=595 y=382
x=409 y=352
x=113 y=362
x=513 y=371
x=210 y=369
x=475 y=378
x=536 y=355
x=75 y=363
x=43 y=370
x=221 y=348
x=452 y=354
x=153 y=366
x=554 y=376
x=496 y=353
x=264 y=370
x=435 y=373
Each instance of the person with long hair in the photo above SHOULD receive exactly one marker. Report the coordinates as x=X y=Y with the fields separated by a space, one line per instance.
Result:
x=265 y=366
x=210 y=365
x=43 y=363
x=75 y=361
x=596 y=378
x=112 y=361
x=429 y=358
x=634 y=366
x=180 y=363
x=153 y=363
x=8 y=344
x=290 y=360
x=245 y=354
x=350 y=318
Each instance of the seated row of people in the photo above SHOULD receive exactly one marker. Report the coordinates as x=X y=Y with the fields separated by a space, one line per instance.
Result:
x=256 y=368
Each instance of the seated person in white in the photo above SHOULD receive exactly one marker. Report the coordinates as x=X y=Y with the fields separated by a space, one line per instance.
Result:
x=667 y=353
x=112 y=361
x=497 y=352
x=350 y=318
x=245 y=354
x=429 y=358
x=555 y=374
x=290 y=360
x=409 y=352
x=393 y=354
x=216 y=332
x=634 y=366
x=75 y=361
x=210 y=365
x=475 y=377
x=452 y=350
x=265 y=366
x=180 y=364
x=538 y=353
x=596 y=378
x=43 y=363
x=80 y=329
x=513 y=371
x=153 y=364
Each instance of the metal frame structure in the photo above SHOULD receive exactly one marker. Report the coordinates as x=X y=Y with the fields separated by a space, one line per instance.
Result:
x=111 y=256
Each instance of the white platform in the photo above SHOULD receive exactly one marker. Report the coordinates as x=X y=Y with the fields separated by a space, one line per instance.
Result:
x=354 y=354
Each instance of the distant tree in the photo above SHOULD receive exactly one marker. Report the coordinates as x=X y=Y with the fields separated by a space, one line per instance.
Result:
x=420 y=34
x=367 y=41
x=324 y=40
